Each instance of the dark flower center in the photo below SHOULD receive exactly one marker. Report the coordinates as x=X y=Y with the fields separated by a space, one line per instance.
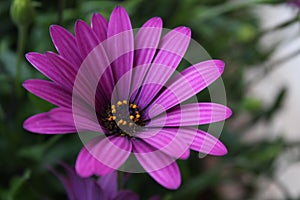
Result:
x=123 y=119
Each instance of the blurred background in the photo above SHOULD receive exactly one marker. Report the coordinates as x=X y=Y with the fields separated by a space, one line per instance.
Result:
x=259 y=41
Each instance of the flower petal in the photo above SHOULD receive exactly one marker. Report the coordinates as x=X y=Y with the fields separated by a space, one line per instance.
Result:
x=99 y=25
x=65 y=44
x=120 y=48
x=95 y=159
x=203 y=142
x=167 y=140
x=186 y=84
x=49 y=91
x=146 y=42
x=64 y=68
x=161 y=167
x=83 y=122
x=43 y=64
x=171 y=50
x=109 y=183
x=192 y=114
x=85 y=38
x=44 y=124
x=80 y=188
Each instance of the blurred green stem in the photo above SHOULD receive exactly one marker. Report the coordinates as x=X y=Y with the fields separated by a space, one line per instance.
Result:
x=61 y=7
x=227 y=7
x=22 y=35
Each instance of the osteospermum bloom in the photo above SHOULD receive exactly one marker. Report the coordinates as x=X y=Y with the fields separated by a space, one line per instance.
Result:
x=106 y=80
x=105 y=188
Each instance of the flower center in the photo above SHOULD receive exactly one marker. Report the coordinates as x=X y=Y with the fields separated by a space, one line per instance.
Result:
x=123 y=119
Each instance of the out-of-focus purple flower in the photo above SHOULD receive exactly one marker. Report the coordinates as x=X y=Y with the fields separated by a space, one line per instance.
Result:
x=136 y=102
x=105 y=188
x=294 y=3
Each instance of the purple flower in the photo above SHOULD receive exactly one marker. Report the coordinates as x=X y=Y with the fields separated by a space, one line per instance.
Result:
x=105 y=188
x=136 y=101
x=295 y=3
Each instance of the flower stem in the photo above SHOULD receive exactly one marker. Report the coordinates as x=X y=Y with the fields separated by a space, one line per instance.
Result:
x=61 y=6
x=22 y=35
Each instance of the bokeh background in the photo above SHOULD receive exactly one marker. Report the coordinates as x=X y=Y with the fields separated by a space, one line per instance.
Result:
x=258 y=40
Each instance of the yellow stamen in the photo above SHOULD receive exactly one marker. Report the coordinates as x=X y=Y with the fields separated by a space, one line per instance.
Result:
x=138 y=116
x=114 y=117
x=119 y=103
x=110 y=118
x=124 y=123
x=134 y=106
x=130 y=124
x=131 y=117
x=113 y=111
x=124 y=102
x=113 y=106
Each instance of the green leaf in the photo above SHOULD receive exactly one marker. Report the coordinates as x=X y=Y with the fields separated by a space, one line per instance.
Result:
x=16 y=184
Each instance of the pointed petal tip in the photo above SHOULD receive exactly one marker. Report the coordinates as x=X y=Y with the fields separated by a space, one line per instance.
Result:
x=228 y=112
x=119 y=10
x=184 y=30
x=220 y=64
x=221 y=151
x=154 y=22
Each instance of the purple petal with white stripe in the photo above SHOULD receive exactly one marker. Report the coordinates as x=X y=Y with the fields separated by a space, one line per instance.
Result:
x=186 y=84
x=192 y=114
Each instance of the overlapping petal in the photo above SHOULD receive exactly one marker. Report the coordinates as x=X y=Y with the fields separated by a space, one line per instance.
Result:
x=186 y=84
x=49 y=91
x=192 y=114
x=99 y=25
x=171 y=51
x=203 y=142
x=43 y=123
x=146 y=42
x=168 y=141
x=100 y=161
x=160 y=166
x=120 y=47
x=65 y=44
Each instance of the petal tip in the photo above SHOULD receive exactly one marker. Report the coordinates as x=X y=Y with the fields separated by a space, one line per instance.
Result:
x=184 y=30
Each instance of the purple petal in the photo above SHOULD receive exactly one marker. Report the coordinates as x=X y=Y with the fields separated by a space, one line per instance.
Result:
x=186 y=84
x=83 y=121
x=171 y=50
x=64 y=68
x=85 y=38
x=120 y=47
x=126 y=195
x=109 y=183
x=203 y=142
x=161 y=167
x=49 y=91
x=99 y=25
x=43 y=64
x=79 y=188
x=65 y=44
x=168 y=141
x=192 y=114
x=43 y=123
x=146 y=42
x=103 y=156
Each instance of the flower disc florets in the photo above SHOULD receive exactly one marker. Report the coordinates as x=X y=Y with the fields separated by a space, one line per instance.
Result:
x=123 y=119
